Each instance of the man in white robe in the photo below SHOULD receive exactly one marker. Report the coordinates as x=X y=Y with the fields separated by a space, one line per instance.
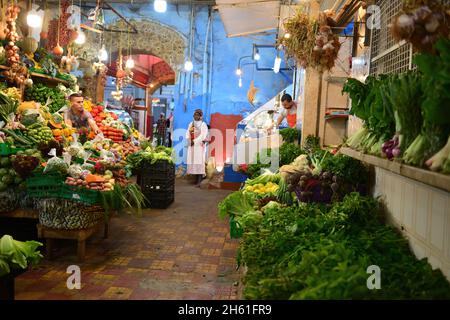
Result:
x=196 y=135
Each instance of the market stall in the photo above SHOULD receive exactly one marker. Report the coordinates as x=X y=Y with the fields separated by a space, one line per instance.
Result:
x=70 y=179
x=316 y=226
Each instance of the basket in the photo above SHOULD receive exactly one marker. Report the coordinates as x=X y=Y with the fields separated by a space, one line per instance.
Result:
x=8 y=201
x=68 y=215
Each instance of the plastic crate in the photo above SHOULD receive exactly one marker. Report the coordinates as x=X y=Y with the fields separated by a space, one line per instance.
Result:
x=44 y=185
x=161 y=170
x=7 y=150
x=83 y=195
x=149 y=184
x=159 y=199
x=159 y=167
x=53 y=186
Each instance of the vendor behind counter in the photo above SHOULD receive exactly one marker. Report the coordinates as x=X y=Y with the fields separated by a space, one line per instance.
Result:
x=77 y=117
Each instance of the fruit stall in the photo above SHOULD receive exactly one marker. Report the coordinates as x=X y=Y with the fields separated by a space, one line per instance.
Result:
x=65 y=182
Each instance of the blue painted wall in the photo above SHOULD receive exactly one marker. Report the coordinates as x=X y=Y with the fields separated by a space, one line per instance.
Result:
x=223 y=95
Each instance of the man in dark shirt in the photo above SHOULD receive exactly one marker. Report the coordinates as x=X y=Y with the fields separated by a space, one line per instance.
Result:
x=161 y=128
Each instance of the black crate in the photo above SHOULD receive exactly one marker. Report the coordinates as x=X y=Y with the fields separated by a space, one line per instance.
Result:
x=159 y=199
x=158 y=167
x=150 y=184
x=149 y=172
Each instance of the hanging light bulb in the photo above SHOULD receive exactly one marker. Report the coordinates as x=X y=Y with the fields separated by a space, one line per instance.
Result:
x=240 y=82
x=287 y=35
x=130 y=63
x=188 y=66
x=81 y=38
x=103 y=54
x=33 y=19
x=160 y=6
x=151 y=85
x=257 y=56
x=277 y=64
x=239 y=72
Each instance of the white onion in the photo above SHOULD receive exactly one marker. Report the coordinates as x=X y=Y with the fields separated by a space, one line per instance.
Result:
x=405 y=21
x=432 y=25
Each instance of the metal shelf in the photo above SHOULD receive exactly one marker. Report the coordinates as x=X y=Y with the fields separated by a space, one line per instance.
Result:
x=43 y=77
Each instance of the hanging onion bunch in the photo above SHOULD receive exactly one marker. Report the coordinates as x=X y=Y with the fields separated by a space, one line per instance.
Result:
x=311 y=43
x=17 y=73
x=422 y=22
x=301 y=42
x=69 y=62
x=326 y=49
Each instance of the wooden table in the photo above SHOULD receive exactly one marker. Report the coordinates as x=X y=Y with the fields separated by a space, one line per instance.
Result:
x=81 y=235
x=21 y=213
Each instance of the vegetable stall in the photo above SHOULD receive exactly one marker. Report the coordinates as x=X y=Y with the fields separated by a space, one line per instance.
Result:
x=319 y=225
x=311 y=230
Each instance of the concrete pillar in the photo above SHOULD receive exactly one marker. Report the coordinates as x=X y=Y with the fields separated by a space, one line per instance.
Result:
x=312 y=86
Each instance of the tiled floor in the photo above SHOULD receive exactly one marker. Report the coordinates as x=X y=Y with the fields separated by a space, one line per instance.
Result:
x=183 y=252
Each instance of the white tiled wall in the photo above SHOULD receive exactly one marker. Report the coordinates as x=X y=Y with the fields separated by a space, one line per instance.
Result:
x=423 y=212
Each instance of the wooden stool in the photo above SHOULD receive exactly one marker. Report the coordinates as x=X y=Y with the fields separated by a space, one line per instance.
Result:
x=81 y=235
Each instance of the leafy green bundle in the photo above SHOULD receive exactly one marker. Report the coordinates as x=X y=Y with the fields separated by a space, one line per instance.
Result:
x=435 y=82
x=149 y=156
x=319 y=252
x=371 y=104
x=290 y=135
x=17 y=255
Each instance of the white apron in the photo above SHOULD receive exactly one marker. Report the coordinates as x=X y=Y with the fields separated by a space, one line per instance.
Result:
x=196 y=157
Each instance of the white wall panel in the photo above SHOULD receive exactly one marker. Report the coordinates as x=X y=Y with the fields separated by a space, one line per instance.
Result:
x=422 y=211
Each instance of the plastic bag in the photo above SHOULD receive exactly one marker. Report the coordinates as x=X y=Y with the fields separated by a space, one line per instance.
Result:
x=107 y=156
x=75 y=146
x=90 y=168
x=57 y=165
x=31 y=116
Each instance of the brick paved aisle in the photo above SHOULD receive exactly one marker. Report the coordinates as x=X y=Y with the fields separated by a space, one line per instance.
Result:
x=183 y=252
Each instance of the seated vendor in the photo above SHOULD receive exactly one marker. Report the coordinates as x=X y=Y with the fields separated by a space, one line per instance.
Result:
x=77 y=117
